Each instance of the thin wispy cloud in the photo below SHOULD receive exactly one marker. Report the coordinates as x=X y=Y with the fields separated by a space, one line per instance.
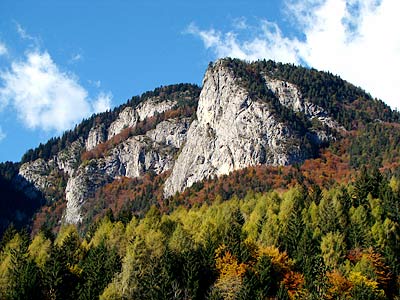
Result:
x=45 y=97
x=95 y=83
x=240 y=23
x=356 y=39
x=75 y=58
x=23 y=33
x=2 y=134
x=3 y=49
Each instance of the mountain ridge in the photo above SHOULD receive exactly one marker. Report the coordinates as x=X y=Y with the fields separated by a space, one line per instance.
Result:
x=165 y=130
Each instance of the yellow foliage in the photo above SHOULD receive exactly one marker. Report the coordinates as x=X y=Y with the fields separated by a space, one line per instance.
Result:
x=116 y=238
x=356 y=278
x=75 y=269
x=112 y=234
x=180 y=239
x=130 y=229
x=227 y=264
x=339 y=286
x=270 y=231
x=39 y=249
x=286 y=209
x=230 y=273
x=154 y=241
x=280 y=260
x=64 y=232
x=333 y=248
x=394 y=184
x=111 y=292
x=5 y=262
x=102 y=232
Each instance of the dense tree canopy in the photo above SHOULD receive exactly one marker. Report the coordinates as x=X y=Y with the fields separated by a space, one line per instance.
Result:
x=337 y=243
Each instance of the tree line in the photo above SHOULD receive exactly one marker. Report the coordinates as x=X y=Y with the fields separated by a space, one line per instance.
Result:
x=304 y=243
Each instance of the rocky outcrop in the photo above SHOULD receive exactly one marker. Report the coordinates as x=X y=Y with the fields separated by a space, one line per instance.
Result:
x=130 y=116
x=68 y=159
x=41 y=177
x=232 y=131
x=127 y=118
x=170 y=132
x=290 y=96
x=152 y=106
x=132 y=158
x=34 y=178
x=97 y=135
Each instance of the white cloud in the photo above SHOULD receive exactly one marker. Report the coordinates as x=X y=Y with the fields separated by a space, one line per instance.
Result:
x=356 y=39
x=2 y=134
x=269 y=42
x=240 y=23
x=3 y=49
x=95 y=83
x=75 y=58
x=103 y=102
x=23 y=33
x=44 y=97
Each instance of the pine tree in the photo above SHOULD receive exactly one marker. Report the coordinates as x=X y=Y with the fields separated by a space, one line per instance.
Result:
x=98 y=268
x=24 y=280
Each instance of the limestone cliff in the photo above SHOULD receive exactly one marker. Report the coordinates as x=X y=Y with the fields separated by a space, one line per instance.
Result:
x=232 y=131
x=154 y=151
x=246 y=115
x=130 y=116
x=290 y=96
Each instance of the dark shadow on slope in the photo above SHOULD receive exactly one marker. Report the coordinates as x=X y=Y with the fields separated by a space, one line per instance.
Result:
x=16 y=207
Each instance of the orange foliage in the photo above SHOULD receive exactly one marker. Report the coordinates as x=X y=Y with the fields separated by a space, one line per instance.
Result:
x=127 y=193
x=280 y=260
x=227 y=265
x=49 y=214
x=339 y=286
x=382 y=271
x=293 y=282
x=230 y=273
x=354 y=255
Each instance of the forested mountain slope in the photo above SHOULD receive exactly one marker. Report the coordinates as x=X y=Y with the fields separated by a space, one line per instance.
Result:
x=279 y=124
x=271 y=181
x=337 y=243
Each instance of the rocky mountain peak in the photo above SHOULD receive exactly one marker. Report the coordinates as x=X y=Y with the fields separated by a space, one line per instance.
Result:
x=246 y=114
x=233 y=130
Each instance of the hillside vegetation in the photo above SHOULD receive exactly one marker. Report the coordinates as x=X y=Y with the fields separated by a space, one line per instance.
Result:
x=305 y=243
x=326 y=227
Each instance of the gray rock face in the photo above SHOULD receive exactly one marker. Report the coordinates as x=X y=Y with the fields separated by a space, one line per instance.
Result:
x=33 y=177
x=290 y=96
x=170 y=132
x=68 y=159
x=132 y=158
x=232 y=132
x=97 y=135
x=130 y=116
x=127 y=118
x=40 y=176
x=152 y=106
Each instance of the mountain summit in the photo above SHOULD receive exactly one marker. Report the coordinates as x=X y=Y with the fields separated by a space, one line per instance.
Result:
x=246 y=114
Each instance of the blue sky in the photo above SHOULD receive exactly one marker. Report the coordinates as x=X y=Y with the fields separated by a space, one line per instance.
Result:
x=61 y=61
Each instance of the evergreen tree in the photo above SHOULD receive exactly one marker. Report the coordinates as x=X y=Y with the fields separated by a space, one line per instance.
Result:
x=98 y=268
x=24 y=281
